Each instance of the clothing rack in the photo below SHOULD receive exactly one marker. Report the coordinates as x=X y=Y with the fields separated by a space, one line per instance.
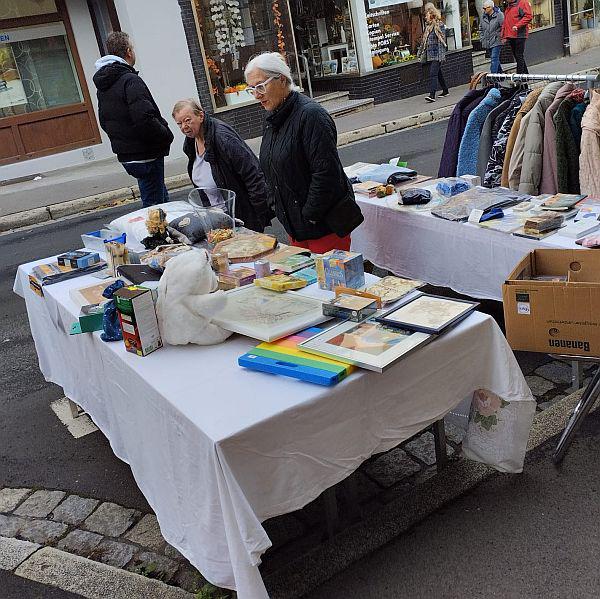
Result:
x=591 y=80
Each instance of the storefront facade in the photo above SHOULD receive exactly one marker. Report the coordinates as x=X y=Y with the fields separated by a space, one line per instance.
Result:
x=365 y=47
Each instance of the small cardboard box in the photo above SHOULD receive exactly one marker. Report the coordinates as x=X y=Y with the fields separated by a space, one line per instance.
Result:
x=340 y=268
x=78 y=259
x=554 y=316
x=137 y=315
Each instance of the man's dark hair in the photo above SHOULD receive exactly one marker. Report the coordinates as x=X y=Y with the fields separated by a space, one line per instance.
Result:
x=117 y=43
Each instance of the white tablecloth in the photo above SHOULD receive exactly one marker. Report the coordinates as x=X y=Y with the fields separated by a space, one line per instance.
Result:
x=217 y=449
x=465 y=257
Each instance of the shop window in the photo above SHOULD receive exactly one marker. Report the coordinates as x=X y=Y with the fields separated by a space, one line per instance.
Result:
x=36 y=70
x=325 y=36
x=543 y=14
x=232 y=32
x=456 y=15
x=14 y=9
x=583 y=14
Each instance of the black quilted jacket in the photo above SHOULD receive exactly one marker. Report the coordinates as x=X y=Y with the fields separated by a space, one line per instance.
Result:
x=298 y=155
x=129 y=115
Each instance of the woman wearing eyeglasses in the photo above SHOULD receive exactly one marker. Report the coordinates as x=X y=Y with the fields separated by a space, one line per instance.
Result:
x=313 y=198
x=219 y=157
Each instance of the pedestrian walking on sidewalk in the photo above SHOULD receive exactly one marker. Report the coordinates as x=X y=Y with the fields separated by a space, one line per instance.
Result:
x=490 y=33
x=433 y=50
x=313 y=198
x=138 y=134
x=515 y=30
x=219 y=158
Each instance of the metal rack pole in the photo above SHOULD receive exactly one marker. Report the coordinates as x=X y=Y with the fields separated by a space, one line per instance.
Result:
x=591 y=80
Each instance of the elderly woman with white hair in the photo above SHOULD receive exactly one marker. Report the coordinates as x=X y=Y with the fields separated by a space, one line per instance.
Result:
x=219 y=158
x=313 y=198
x=490 y=30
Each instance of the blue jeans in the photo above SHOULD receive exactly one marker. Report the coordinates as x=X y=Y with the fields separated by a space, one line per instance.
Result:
x=435 y=76
x=495 y=67
x=151 y=180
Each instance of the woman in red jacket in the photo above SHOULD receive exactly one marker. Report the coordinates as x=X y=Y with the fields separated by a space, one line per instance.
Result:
x=517 y=16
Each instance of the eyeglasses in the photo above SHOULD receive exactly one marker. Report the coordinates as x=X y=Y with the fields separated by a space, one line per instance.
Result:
x=261 y=88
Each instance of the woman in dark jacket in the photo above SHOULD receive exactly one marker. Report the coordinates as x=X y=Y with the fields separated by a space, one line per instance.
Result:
x=219 y=157
x=313 y=198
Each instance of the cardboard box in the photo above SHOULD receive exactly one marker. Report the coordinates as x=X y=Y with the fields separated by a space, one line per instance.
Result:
x=90 y=319
x=137 y=316
x=78 y=259
x=554 y=316
x=340 y=268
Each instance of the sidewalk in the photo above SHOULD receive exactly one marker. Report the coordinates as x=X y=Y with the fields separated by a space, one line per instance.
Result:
x=104 y=183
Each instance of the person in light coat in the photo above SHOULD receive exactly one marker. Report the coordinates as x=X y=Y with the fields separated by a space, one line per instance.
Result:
x=490 y=30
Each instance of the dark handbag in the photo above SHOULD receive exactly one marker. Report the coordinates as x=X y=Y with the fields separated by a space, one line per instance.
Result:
x=345 y=216
x=414 y=196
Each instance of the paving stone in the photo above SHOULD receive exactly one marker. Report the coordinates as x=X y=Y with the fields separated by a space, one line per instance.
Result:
x=154 y=565
x=44 y=532
x=10 y=525
x=10 y=498
x=538 y=385
x=113 y=553
x=454 y=433
x=111 y=520
x=547 y=404
x=171 y=552
x=80 y=542
x=13 y=552
x=189 y=579
x=423 y=447
x=529 y=361
x=392 y=467
x=555 y=371
x=366 y=489
x=74 y=509
x=147 y=533
x=40 y=504
x=283 y=529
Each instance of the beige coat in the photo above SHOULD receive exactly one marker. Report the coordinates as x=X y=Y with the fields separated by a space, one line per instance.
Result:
x=533 y=151
x=530 y=100
x=589 y=159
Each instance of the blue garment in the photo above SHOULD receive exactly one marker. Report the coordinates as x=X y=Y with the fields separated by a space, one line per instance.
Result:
x=433 y=47
x=469 y=145
x=110 y=320
x=151 y=180
x=495 y=67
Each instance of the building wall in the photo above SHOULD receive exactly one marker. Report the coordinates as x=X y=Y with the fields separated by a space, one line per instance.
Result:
x=395 y=83
x=162 y=59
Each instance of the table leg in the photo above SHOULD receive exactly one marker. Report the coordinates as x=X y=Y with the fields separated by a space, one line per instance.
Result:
x=439 y=436
x=332 y=517
x=581 y=410
x=576 y=372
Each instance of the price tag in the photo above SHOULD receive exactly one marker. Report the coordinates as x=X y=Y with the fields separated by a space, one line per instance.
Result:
x=475 y=216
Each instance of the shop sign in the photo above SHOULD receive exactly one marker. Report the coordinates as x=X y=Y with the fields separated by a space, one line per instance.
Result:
x=380 y=3
x=4 y=38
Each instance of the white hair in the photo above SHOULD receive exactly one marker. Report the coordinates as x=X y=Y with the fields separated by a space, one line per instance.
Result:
x=487 y=3
x=273 y=65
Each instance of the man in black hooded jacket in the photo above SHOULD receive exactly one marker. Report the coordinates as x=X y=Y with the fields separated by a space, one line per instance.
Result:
x=138 y=134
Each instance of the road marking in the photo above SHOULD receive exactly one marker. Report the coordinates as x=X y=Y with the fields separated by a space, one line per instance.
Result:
x=78 y=427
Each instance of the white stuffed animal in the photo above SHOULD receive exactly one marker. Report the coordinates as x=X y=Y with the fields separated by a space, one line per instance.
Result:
x=186 y=302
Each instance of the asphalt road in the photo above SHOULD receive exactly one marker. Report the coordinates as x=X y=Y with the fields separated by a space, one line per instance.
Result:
x=35 y=448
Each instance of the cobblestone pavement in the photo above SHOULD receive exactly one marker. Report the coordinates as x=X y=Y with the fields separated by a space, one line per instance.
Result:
x=126 y=538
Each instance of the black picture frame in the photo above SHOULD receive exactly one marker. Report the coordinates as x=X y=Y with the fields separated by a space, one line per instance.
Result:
x=384 y=318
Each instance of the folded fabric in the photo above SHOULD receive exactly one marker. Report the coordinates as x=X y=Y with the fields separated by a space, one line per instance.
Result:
x=452 y=186
x=382 y=173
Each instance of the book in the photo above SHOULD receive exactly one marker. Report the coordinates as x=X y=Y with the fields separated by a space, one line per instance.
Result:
x=562 y=201
x=284 y=358
x=542 y=224
x=588 y=209
x=579 y=229
x=292 y=263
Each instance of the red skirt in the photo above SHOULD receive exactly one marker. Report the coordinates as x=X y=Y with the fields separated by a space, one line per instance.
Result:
x=324 y=244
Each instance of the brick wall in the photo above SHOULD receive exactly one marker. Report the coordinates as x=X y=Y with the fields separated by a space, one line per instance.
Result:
x=404 y=81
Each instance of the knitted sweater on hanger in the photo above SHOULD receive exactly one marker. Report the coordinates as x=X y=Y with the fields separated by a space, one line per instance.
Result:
x=567 y=149
x=469 y=145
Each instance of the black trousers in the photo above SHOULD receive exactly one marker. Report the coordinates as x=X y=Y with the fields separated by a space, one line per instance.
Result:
x=517 y=45
x=435 y=75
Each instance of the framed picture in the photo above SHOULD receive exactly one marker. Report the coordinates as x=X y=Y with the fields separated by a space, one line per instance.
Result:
x=268 y=315
x=330 y=67
x=369 y=344
x=426 y=313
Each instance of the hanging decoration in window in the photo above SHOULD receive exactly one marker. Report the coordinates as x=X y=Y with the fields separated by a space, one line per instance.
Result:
x=227 y=19
x=279 y=25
